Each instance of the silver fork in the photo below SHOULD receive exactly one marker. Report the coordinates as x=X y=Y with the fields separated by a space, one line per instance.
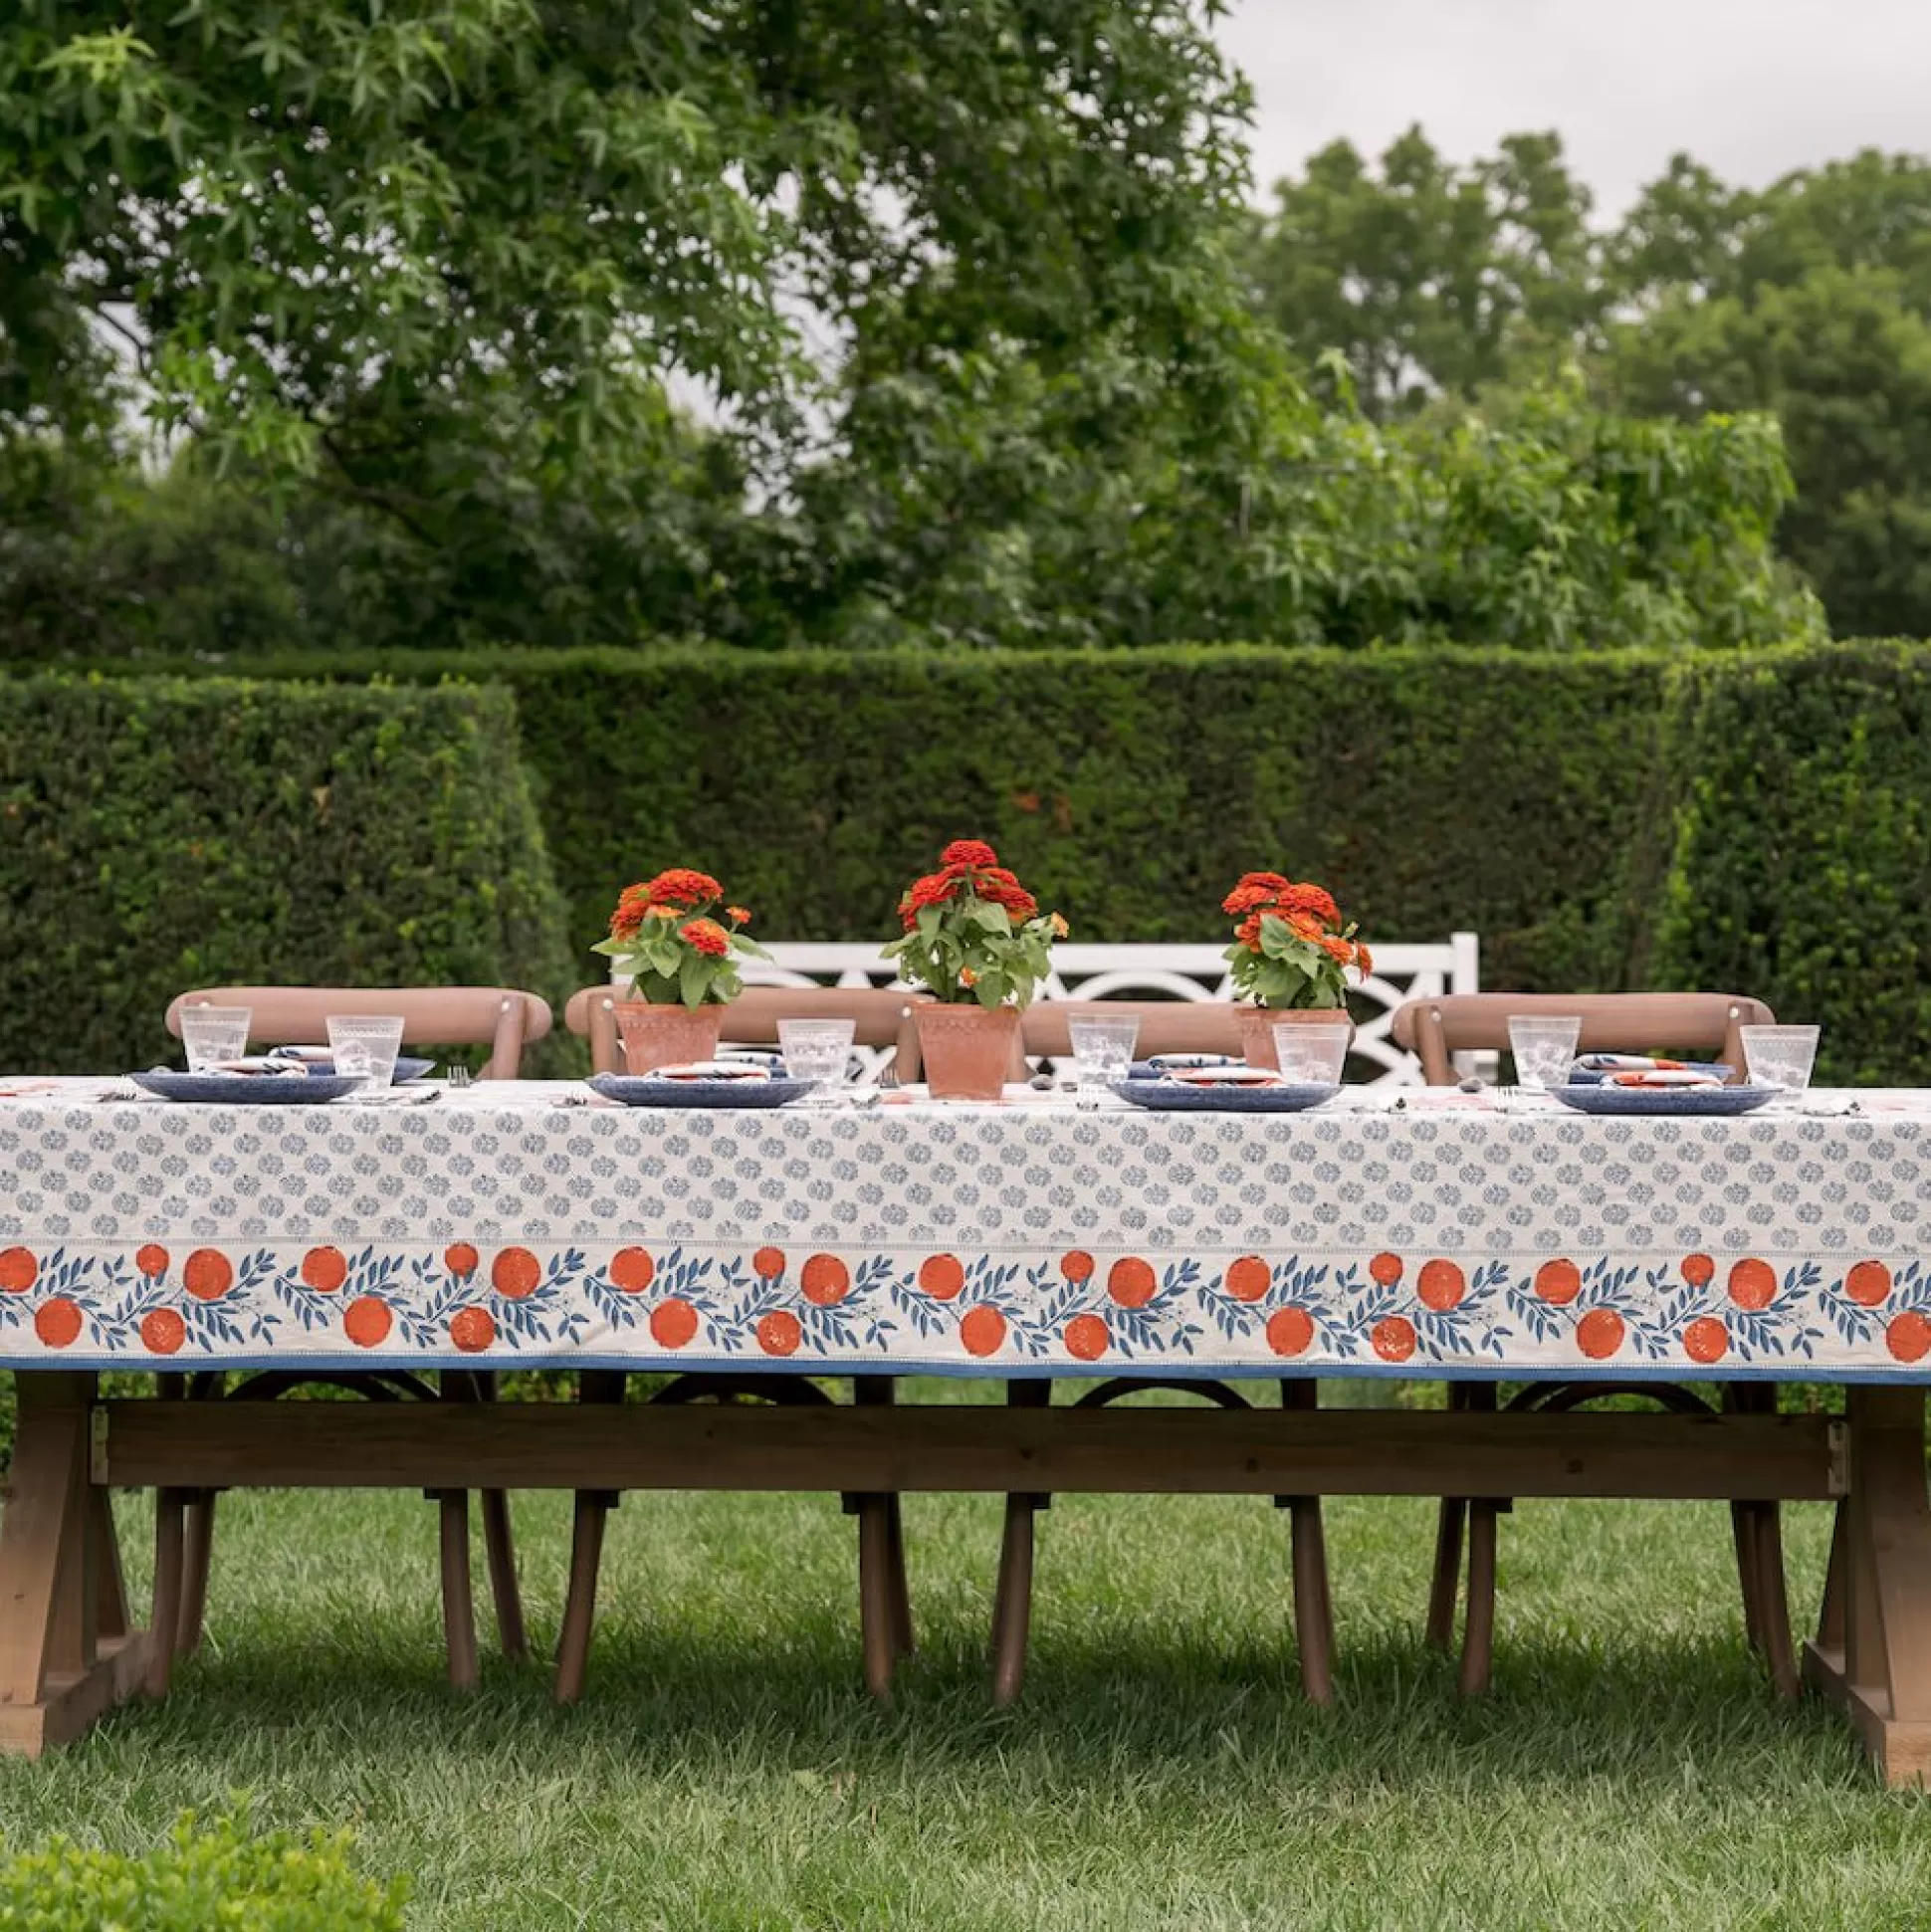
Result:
x=459 y=1076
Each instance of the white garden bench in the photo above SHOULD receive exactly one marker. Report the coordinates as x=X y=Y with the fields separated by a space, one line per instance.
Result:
x=1085 y=972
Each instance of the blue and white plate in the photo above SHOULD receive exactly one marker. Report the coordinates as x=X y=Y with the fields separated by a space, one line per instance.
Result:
x=644 y=1090
x=1182 y=1097
x=1588 y=1099
x=248 y=1089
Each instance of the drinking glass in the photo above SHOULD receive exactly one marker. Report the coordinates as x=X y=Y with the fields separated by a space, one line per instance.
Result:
x=816 y=1050
x=1779 y=1056
x=365 y=1045
x=1311 y=1055
x=1544 y=1046
x=213 y=1035
x=1102 y=1051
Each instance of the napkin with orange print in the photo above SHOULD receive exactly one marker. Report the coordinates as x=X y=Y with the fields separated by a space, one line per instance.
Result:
x=1644 y=1070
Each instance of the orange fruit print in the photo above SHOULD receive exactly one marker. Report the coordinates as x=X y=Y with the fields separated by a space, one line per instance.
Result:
x=981 y=1331
x=1250 y=1278
x=1698 y=1270
x=367 y=1320
x=16 y=1270
x=1087 y=1337
x=1393 y=1338
x=1600 y=1334
x=1076 y=1265
x=208 y=1275
x=1753 y=1284
x=1559 y=1282
x=1440 y=1285
x=1706 y=1340
x=632 y=1270
x=1384 y=1270
x=779 y=1333
x=162 y=1331
x=472 y=1329
x=58 y=1322
x=1131 y=1282
x=1290 y=1331
x=460 y=1259
x=826 y=1281
x=150 y=1260
x=941 y=1276
x=325 y=1270
x=1909 y=1336
x=1868 y=1283
x=514 y=1273
x=767 y=1263
x=673 y=1324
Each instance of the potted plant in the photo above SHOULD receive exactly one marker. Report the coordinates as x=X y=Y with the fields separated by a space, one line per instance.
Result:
x=1289 y=957
x=677 y=943
x=976 y=940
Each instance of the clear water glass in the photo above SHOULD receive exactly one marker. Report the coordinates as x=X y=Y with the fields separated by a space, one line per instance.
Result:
x=211 y=1036
x=1779 y=1056
x=1544 y=1046
x=817 y=1051
x=1102 y=1053
x=1311 y=1055
x=365 y=1046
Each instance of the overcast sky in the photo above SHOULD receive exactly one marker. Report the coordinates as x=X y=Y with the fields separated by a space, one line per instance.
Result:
x=1752 y=88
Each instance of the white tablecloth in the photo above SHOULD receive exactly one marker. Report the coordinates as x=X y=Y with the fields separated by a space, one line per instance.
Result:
x=499 y=1226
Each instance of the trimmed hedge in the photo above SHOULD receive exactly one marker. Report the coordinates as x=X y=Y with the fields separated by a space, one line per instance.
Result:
x=157 y=834
x=1752 y=822
x=1429 y=789
x=197 y=1880
x=1801 y=847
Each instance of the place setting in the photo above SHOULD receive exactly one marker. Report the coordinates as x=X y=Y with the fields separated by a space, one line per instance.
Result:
x=363 y=1060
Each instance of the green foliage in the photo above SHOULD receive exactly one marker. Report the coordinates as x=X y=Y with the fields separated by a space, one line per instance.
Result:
x=973 y=934
x=677 y=943
x=1802 y=833
x=1429 y=789
x=198 y=1879
x=1809 y=299
x=158 y=834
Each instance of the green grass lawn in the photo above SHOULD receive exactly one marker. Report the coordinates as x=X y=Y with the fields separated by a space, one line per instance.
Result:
x=726 y=1768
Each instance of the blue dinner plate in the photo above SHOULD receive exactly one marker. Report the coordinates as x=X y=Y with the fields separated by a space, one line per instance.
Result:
x=406 y=1068
x=1663 y=1100
x=248 y=1089
x=1180 y=1097
x=644 y=1090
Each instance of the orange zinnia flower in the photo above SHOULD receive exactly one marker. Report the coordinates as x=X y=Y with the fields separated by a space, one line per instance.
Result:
x=708 y=936
x=738 y=915
x=969 y=852
x=680 y=885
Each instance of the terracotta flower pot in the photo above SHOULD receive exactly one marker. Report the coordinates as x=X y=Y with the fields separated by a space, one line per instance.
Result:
x=665 y=1037
x=1257 y=1025
x=969 y=1051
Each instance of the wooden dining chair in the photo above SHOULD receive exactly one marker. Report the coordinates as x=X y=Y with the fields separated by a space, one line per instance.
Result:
x=881 y=1017
x=505 y=1020
x=1678 y=1024
x=1165 y=1026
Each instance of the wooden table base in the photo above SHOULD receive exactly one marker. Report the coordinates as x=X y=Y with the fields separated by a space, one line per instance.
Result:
x=67 y=1654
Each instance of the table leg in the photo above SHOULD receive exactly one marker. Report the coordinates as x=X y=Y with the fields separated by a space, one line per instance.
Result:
x=66 y=1653
x=1881 y=1671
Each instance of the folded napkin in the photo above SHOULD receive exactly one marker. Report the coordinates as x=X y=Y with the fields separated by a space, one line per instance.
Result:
x=1233 y=1074
x=713 y=1070
x=1656 y=1078
x=305 y=1055
x=259 y=1064
x=1177 y=1063
x=1646 y=1069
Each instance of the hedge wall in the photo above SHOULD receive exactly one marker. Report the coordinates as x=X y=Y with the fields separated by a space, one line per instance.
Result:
x=1433 y=790
x=1800 y=846
x=157 y=834
x=1753 y=822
